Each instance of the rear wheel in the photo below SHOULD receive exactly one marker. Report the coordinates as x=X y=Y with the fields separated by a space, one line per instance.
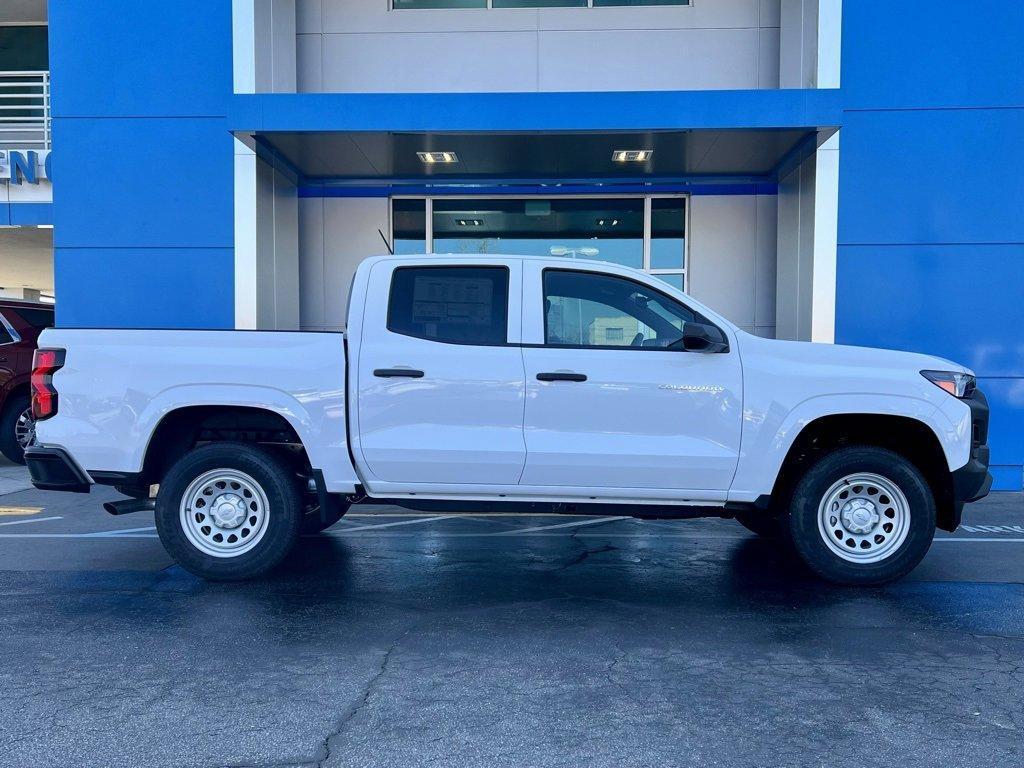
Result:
x=862 y=515
x=229 y=511
x=17 y=429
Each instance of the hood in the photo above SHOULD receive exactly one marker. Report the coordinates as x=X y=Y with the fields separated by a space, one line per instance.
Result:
x=851 y=356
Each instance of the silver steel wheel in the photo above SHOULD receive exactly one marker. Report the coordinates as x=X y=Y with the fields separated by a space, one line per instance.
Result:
x=224 y=513
x=864 y=518
x=25 y=429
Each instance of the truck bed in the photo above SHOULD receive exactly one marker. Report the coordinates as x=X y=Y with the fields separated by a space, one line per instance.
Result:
x=117 y=385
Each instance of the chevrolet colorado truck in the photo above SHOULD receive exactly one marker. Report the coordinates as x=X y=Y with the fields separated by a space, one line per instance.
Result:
x=465 y=383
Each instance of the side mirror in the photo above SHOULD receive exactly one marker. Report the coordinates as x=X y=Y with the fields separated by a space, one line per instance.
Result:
x=698 y=337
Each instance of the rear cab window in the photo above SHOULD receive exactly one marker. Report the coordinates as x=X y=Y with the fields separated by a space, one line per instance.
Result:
x=450 y=304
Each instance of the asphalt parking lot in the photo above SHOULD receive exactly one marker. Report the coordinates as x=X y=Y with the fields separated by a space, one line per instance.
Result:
x=410 y=639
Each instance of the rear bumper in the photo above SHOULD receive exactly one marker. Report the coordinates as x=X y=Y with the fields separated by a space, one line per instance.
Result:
x=52 y=469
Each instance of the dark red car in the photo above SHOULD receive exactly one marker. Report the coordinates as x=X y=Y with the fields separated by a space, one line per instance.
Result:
x=21 y=322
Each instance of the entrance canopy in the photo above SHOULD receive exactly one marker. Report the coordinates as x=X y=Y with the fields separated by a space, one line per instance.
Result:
x=673 y=155
x=339 y=139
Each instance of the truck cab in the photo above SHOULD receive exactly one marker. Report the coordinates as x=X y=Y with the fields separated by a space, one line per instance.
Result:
x=513 y=382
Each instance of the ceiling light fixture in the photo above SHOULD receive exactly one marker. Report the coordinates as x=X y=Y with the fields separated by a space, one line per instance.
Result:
x=469 y=222
x=432 y=158
x=632 y=155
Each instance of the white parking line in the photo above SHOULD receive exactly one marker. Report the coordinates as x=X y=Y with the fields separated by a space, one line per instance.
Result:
x=573 y=524
x=964 y=539
x=33 y=520
x=123 y=531
x=99 y=535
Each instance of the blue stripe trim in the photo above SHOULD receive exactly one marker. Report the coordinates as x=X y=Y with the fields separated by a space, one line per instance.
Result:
x=388 y=190
x=546 y=111
x=26 y=214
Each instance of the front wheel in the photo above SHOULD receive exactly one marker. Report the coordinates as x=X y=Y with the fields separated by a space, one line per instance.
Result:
x=229 y=511
x=862 y=515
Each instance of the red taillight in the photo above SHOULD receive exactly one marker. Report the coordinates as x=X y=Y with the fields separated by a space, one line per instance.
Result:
x=45 y=363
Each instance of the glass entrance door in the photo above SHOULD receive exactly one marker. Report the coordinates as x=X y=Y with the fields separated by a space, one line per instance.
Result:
x=643 y=232
x=609 y=229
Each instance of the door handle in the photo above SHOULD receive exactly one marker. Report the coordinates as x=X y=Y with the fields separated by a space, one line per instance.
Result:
x=391 y=373
x=559 y=376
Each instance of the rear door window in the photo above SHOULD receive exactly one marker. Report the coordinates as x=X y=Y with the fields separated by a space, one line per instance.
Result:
x=453 y=305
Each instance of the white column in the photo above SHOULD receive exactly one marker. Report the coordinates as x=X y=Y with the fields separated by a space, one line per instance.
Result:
x=826 y=233
x=798 y=43
x=830 y=37
x=243 y=39
x=263 y=39
x=246 y=264
x=795 y=253
x=807 y=246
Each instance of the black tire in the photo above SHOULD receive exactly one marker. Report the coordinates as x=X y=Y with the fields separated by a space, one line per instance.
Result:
x=283 y=515
x=313 y=522
x=764 y=524
x=9 y=445
x=816 y=483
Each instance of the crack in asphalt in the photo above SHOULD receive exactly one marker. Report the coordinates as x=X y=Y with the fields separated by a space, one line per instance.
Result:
x=586 y=553
x=363 y=700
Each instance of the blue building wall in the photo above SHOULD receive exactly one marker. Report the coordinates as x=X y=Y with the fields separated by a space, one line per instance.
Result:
x=143 y=212
x=931 y=236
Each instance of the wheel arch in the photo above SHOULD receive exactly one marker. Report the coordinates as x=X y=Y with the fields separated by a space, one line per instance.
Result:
x=185 y=427
x=907 y=436
x=20 y=388
x=321 y=432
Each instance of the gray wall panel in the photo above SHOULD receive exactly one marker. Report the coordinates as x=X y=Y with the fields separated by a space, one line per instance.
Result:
x=723 y=244
x=726 y=44
x=464 y=62
x=623 y=60
x=766 y=263
x=336 y=234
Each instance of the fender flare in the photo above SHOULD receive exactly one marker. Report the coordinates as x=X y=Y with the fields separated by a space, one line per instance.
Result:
x=326 y=452
x=762 y=454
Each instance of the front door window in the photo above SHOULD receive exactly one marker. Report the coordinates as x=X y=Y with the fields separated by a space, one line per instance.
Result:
x=594 y=310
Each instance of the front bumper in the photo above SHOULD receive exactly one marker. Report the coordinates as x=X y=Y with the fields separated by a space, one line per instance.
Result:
x=52 y=469
x=972 y=481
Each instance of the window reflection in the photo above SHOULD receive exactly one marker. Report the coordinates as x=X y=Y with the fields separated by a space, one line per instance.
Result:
x=409 y=226
x=594 y=310
x=608 y=229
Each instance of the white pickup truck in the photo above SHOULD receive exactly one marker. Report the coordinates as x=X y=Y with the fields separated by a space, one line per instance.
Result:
x=464 y=383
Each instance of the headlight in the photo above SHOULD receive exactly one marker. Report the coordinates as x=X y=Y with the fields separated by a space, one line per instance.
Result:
x=956 y=384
